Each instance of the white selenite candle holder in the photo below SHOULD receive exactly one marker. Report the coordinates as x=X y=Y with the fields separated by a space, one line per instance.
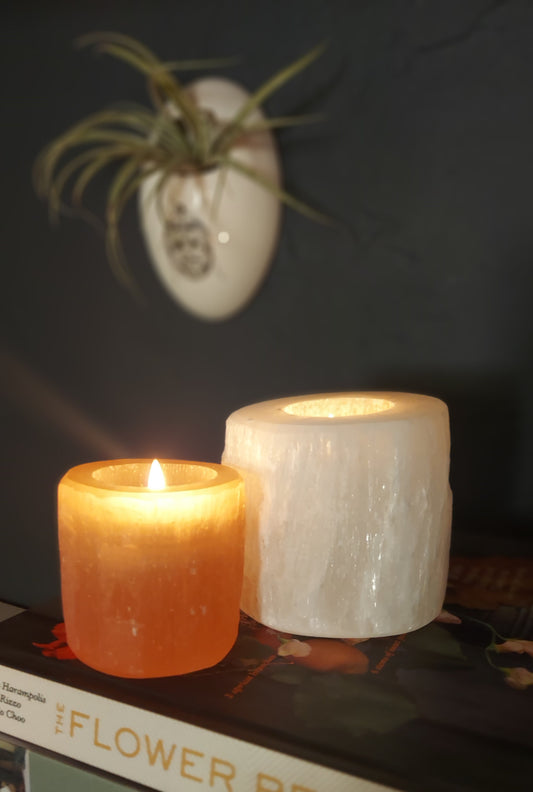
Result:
x=348 y=511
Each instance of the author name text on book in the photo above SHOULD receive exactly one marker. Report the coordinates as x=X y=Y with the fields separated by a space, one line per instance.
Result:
x=12 y=699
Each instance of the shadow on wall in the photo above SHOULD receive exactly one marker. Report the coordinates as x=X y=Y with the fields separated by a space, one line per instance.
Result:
x=44 y=435
x=42 y=403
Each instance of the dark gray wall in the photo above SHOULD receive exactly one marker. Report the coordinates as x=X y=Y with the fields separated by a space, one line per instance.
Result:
x=425 y=156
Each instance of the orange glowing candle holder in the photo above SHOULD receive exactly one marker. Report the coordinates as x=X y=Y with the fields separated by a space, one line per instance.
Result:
x=151 y=576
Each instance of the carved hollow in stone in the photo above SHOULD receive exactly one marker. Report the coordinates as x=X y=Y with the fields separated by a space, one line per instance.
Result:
x=348 y=511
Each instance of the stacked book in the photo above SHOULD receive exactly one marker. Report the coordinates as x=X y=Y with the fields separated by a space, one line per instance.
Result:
x=445 y=708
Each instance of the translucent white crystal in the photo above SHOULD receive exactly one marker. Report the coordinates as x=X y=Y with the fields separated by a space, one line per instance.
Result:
x=348 y=511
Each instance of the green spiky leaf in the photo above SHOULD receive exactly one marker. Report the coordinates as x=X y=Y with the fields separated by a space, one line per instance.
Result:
x=175 y=135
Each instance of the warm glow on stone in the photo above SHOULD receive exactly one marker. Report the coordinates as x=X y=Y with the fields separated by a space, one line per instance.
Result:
x=338 y=406
x=151 y=578
x=348 y=511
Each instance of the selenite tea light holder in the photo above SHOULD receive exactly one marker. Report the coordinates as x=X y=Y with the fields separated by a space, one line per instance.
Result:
x=348 y=511
x=151 y=574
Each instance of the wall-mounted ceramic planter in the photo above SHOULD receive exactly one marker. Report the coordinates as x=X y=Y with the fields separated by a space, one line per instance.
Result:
x=211 y=236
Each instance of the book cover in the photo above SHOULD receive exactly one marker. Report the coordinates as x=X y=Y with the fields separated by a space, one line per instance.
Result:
x=25 y=770
x=447 y=707
x=46 y=774
x=12 y=767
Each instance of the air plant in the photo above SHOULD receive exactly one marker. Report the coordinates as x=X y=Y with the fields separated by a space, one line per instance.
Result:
x=174 y=135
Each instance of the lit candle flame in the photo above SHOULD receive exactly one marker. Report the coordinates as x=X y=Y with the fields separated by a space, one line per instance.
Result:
x=156 y=477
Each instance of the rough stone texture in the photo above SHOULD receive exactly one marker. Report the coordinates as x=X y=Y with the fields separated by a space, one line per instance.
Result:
x=348 y=518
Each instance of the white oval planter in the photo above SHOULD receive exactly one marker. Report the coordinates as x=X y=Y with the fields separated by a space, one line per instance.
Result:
x=211 y=236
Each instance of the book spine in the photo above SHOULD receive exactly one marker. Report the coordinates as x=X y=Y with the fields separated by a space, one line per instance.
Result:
x=45 y=773
x=151 y=749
